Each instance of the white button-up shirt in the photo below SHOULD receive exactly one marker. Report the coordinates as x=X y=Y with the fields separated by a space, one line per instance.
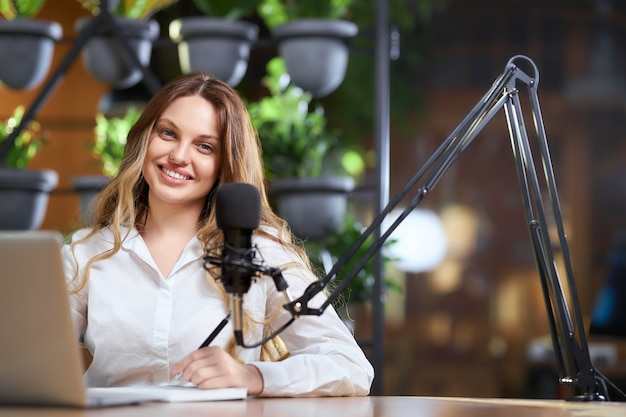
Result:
x=137 y=323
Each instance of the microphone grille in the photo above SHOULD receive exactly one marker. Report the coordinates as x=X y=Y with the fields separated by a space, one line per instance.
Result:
x=237 y=206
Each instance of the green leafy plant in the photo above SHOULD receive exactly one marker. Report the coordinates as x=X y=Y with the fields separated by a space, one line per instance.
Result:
x=227 y=9
x=277 y=12
x=130 y=9
x=296 y=141
x=15 y=9
x=26 y=144
x=336 y=245
x=110 y=139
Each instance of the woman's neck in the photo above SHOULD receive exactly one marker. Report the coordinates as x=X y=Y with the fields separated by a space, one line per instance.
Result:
x=171 y=221
x=166 y=233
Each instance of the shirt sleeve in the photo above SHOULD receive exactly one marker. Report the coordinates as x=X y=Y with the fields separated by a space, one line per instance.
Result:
x=78 y=301
x=325 y=358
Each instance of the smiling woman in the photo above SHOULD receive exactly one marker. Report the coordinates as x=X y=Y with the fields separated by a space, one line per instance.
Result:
x=154 y=223
x=182 y=158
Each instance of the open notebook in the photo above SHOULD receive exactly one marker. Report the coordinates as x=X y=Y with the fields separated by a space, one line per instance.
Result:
x=40 y=360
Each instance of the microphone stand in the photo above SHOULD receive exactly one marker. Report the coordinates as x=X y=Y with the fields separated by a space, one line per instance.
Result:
x=568 y=337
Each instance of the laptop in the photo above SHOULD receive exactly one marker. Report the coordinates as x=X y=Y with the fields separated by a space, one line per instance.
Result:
x=40 y=359
x=41 y=363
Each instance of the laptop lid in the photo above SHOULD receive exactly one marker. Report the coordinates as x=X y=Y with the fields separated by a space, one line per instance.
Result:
x=40 y=361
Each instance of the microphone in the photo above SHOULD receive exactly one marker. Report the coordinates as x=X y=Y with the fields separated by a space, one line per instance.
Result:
x=238 y=213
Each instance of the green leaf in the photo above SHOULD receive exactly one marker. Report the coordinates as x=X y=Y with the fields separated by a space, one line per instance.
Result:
x=13 y=9
x=26 y=144
x=278 y=12
x=110 y=139
x=227 y=9
x=130 y=9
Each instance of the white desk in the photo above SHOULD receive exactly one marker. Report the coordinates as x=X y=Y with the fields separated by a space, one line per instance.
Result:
x=343 y=407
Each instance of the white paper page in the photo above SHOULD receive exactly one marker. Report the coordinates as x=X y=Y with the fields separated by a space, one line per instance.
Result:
x=172 y=393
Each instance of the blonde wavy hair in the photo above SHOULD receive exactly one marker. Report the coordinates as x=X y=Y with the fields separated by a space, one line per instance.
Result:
x=123 y=203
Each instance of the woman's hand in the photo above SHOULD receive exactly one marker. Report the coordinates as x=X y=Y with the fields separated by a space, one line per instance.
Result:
x=213 y=367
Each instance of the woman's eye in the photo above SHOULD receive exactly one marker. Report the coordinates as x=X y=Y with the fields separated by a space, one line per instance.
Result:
x=166 y=133
x=205 y=147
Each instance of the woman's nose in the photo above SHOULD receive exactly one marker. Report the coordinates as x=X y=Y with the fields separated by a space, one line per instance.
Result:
x=180 y=154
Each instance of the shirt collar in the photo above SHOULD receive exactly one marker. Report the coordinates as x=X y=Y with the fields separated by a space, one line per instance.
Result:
x=133 y=242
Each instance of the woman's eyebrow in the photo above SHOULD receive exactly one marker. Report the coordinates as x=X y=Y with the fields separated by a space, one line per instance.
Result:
x=166 y=120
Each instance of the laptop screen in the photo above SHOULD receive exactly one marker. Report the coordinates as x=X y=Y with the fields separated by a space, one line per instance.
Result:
x=40 y=361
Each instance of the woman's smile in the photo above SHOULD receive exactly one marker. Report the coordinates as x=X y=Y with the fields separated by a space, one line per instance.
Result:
x=175 y=175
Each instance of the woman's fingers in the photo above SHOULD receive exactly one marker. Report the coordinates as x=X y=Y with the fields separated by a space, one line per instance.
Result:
x=213 y=367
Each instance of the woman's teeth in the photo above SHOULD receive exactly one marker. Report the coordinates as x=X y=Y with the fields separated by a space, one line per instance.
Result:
x=174 y=175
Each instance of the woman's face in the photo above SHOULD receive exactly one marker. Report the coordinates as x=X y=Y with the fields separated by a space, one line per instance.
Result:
x=183 y=157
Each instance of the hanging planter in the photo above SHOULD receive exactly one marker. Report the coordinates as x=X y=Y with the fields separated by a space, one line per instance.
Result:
x=87 y=188
x=216 y=46
x=302 y=158
x=315 y=52
x=26 y=50
x=315 y=208
x=24 y=194
x=103 y=57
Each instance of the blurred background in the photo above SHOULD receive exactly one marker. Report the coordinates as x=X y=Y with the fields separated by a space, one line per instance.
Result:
x=473 y=323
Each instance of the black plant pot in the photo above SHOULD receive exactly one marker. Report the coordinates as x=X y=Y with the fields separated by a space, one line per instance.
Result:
x=24 y=197
x=87 y=187
x=315 y=52
x=314 y=207
x=214 y=46
x=26 y=50
x=103 y=57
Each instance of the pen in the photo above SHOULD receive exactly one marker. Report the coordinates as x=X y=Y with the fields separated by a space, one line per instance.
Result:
x=215 y=332
x=210 y=338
